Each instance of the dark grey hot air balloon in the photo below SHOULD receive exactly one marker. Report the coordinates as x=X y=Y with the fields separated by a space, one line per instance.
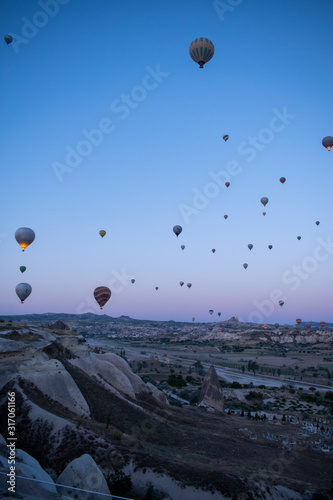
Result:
x=177 y=230
x=264 y=200
x=201 y=51
x=250 y=246
x=24 y=237
x=8 y=39
x=327 y=142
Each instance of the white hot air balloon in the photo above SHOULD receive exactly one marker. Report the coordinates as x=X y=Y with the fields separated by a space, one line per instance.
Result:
x=23 y=290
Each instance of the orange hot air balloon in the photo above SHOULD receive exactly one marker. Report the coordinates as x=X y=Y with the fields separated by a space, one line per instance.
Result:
x=265 y=326
x=102 y=295
x=322 y=324
x=298 y=321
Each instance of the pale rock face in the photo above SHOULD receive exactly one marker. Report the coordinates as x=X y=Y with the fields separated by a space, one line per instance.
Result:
x=84 y=473
x=52 y=379
x=159 y=395
x=211 y=393
x=27 y=466
x=96 y=365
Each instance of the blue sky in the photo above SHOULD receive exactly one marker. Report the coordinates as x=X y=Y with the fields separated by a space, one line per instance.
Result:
x=109 y=124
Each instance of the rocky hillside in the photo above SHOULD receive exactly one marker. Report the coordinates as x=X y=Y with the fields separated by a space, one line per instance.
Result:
x=78 y=409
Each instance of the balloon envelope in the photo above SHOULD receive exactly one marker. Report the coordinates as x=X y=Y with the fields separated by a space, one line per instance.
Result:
x=8 y=39
x=282 y=180
x=23 y=290
x=193 y=319
x=281 y=303
x=227 y=184
x=250 y=246
x=327 y=142
x=219 y=314
x=177 y=230
x=245 y=265
x=102 y=233
x=211 y=311
x=270 y=247
x=322 y=324
x=225 y=137
x=225 y=216
x=189 y=285
x=299 y=237
x=298 y=321
x=22 y=269
x=24 y=237
x=201 y=51
x=132 y=280
x=102 y=295
x=182 y=247
x=264 y=200
x=213 y=250
x=181 y=283
x=317 y=222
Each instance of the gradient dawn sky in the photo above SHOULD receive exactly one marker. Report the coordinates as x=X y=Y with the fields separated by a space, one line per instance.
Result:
x=107 y=123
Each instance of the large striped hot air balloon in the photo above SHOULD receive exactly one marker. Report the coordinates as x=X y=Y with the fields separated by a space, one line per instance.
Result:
x=201 y=51
x=24 y=237
x=102 y=295
x=23 y=290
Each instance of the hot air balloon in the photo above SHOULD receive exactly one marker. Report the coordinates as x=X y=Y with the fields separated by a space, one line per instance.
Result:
x=322 y=324
x=299 y=237
x=225 y=137
x=132 y=280
x=182 y=247
x=24 y=237
x=211 y=311
x=181 y=283
x=201 y=51
x=193 y=319
x=177 y=230
x=250 y=246
x=222 y=328
x=8 y=39
x=265 y=326
x=264 y=213
x=264 y=200
x=210 y=328
x=227 y=184
x=225 y=216
x=308 y=326
x=281 y=303
x=102 y=295
x=156 y=287
x=282 y=180
x=23 y=290
x=189 y=285
x=317 y=222
x=270 y=247
x=276 y=325
x=213 y=250
x=102 y=233
x=22 y=269
x=219 y=314
x=245 y=265
x=327 y=142
x=298 y=321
